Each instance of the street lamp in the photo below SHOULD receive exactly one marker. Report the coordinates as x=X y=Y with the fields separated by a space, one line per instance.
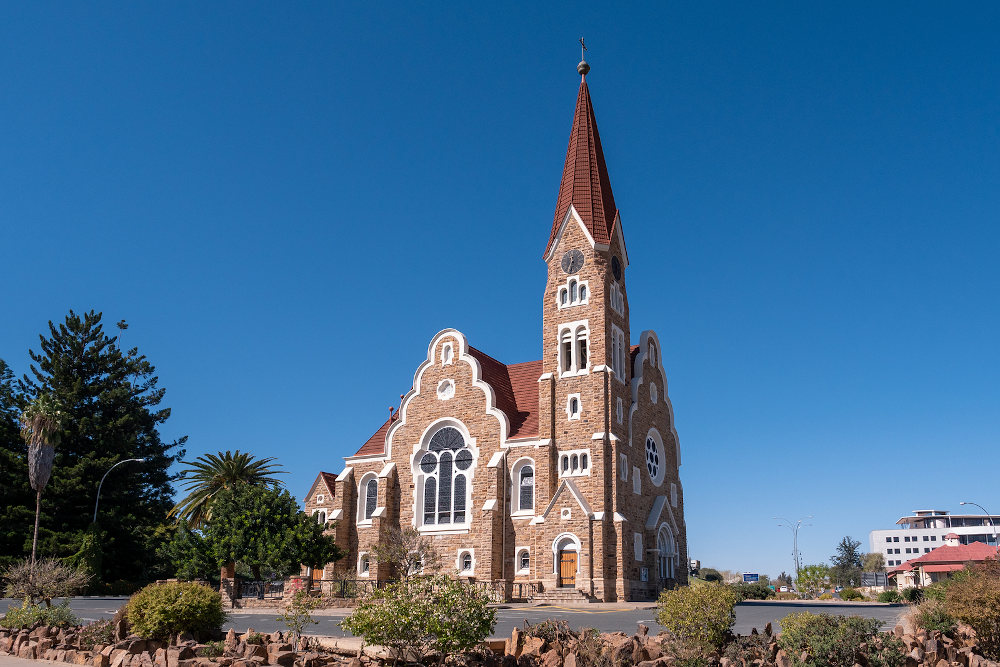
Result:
x=105 y=477
x=995 y=542
x=782 y=521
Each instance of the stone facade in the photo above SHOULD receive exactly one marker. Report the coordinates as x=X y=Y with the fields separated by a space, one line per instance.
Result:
x=561 y=472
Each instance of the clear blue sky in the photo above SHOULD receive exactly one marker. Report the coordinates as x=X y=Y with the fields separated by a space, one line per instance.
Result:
x=286 y=201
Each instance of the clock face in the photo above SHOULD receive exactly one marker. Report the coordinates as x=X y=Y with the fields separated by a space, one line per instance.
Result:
x=616 y=268
x=572 y=261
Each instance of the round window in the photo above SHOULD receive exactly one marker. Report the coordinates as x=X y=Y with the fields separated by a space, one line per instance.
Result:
x=428 y=462
x=654 y=459
x=463 y=459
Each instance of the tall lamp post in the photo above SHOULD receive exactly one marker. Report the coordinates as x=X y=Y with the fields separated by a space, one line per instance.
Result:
x=794 y=527
x=96 y=502
x=988 y=516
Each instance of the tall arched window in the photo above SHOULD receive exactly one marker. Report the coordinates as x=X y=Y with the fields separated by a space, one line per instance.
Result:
x=445 y=470
x=367 y=497
x=526 y=488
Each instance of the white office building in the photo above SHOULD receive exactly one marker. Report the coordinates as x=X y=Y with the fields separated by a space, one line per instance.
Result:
x=924 y=531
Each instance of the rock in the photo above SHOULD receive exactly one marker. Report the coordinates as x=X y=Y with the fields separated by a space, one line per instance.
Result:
x=136 y=646
x=917 y=654
x=532 y=647
x=184 y=637
x=283 y=658
x=782 y=659
x=550 y=658
x=643 y=630
x=101 y=660
x=188 y=662
x=509 y=660
x=941 y=663
x=275 y=637
x=84 y=658
x=513 y=646
x=160 y=657
x=255 y=650
x=44 y=644
x=145 y=659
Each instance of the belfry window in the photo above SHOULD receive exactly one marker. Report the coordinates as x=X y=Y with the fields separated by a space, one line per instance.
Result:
x=444 y=469
x=573 y=348
x=573 y=292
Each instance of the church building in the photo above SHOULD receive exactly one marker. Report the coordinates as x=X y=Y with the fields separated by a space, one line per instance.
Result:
x=558 y=476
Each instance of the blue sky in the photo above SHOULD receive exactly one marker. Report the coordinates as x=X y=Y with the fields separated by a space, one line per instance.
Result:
x=286 y=201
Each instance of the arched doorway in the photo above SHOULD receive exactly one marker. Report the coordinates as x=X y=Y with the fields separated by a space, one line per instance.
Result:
x=566 y=552
x=666 y=554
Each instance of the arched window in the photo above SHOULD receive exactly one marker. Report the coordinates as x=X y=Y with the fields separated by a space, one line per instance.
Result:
x=444 y=468
x=583 y=292
x=665 y=549
x=572 y=290
x=563 y=296
x=573 y=348
x=526 y=487
x=364 y=564
x=466 y=562
x=523 y=560
x=581 y=348
x=371 y=498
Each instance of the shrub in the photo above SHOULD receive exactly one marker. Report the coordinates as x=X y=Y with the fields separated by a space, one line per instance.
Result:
x=212 y=650
x=98 y=632
x=30 y=614
x=890 y=596
x=160 y=610
x=932 y=615
x=702 y=615
x=297 y=614
x=826 y=596
x=913 y=595
x=551 y=630
x=48 y=579
x=711 y=575
x=753 y=591
x=851 y=594
x=436 y=613
x=975 y=599
x=787 y=595
x=254 y=638
x=834 y=641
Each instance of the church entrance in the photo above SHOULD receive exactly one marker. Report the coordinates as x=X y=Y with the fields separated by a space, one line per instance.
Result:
x=567 y=569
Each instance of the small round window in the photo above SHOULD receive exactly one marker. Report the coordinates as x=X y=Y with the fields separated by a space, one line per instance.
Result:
x=654 y=459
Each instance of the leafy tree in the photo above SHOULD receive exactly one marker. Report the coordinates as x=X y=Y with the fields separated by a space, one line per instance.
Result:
x=264 y=530
x=111 y=400
x=190 y=554
x=814 y=578
x=873 y=562
x=711 y=574
x=41 y=428
x=407 y=553
x=15 y=493
x=209 y=474
x=846 y=563
x=784 y=579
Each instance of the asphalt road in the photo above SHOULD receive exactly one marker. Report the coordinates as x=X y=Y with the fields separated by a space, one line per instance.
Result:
x=748 y=615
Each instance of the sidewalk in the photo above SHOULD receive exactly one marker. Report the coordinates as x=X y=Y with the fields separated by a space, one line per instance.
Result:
x=8 y=661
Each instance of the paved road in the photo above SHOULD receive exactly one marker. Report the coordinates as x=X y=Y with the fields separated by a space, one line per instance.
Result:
x=748 y=615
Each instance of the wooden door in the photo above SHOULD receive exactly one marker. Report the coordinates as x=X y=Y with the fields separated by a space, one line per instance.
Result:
x=317 y=574
x=567 y=569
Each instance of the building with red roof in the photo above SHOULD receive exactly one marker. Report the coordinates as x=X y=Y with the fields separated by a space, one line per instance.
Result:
x=941 y=562
x=557 y=476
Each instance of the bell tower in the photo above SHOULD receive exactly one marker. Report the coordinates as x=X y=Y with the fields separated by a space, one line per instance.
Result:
x=584 y=391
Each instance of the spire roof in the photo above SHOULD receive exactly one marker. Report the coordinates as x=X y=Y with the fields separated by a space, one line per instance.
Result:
x=585 y=183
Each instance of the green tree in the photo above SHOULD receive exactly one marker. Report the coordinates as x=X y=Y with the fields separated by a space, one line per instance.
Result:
x=264 y=530
x=784 y=579
x=873 y=562
x=16 y=498
x=813 y=578
x=41 y=428
x=207 y=475
x=111 y=400
x=846 y=563
x=190 y=554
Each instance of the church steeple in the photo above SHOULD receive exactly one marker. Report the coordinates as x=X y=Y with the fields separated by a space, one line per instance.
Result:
x=585 y=182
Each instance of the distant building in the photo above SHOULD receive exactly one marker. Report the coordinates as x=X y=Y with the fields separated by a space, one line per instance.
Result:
x=941 y=562
x=925 y=530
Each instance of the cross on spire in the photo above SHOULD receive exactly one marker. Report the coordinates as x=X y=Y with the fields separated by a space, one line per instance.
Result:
x=583 y=50
x=583 y=67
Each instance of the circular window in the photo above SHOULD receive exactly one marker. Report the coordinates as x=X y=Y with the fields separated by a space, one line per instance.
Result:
x=654 y=460
x=446 y=389
x=463 y=459
x=428 y=462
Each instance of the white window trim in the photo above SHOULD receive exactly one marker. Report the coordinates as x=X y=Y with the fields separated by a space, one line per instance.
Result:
x=458 y=561
x=362 y=573
x=654 y=394
x=574 y=332
x=570 y=471
x=320 y=498
x=619 y=353
x=363 y=499
x=636 y=481
x=420 y=477
x=579 y=403
x=325 y=516
x=637 y=548
x=446 y=389
x=515 y=487
x=517 y=560
x=585 y=284
x=623 y=467
x=621 y=412
x=578 y=547
x=661 y=470
x=447 y=354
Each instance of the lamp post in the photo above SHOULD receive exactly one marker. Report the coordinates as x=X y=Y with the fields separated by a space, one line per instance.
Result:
x=794 y=527
x=995 y=542
x=96 y=502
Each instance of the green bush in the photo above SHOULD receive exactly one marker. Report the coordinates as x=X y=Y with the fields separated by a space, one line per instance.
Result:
x=710 y=575
x=932 y=615
x=826 y=596
x=834 y=641
x=160 y=610
x=30 y=614
x=414 y=615
x=212 y=650
x=975 y=599
x=700 y=615
x=254 y=638
x=850 y=594
x=98 y=632
x=913 y=595
x=890 y=596
x=753 y=591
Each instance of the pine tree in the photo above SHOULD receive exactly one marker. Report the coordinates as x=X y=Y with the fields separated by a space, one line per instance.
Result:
x=111 y=399
x=17 y=512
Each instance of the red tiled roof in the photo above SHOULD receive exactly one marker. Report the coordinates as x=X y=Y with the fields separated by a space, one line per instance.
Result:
x=516 y=391
x=585 y=182
x=952 y=567
x=330 y=480
x=977 y=551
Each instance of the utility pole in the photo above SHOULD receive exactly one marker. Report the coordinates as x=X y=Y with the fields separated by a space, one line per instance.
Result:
x=794 y=527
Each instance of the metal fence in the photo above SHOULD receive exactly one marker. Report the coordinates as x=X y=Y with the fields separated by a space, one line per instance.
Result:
x=260 y=590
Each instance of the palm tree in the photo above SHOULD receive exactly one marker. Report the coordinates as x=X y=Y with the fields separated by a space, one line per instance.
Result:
x=209 y=474
x=41 y=424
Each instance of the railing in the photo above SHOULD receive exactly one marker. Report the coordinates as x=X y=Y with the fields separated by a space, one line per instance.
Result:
x=260 y=590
